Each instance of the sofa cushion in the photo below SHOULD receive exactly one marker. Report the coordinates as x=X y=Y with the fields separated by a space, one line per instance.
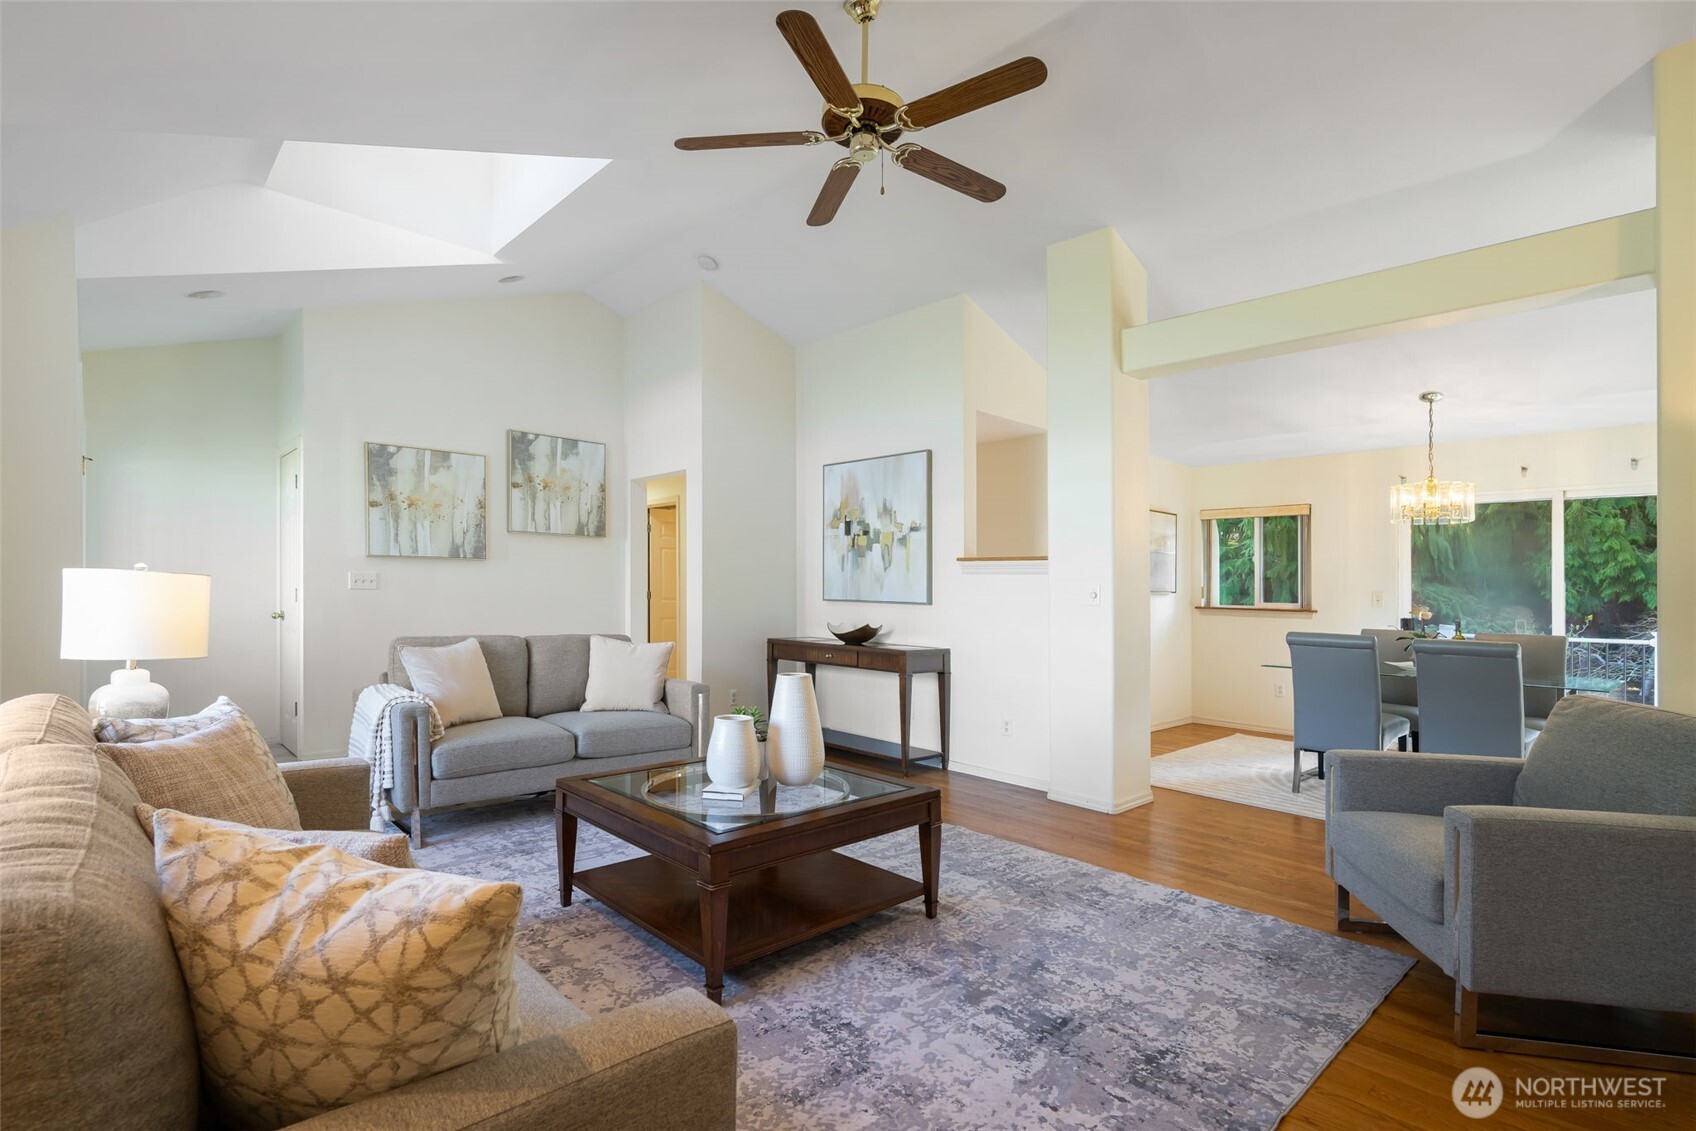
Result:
x=1613 y=757
x=318 y=979
x=499 y=744
x=32 y=720
x=96 y=1029
x=455 y=678
x=508 y=658
x=608 y=734
x=559 y=672
x=225 y=772
x=1402 y=851
x=542 y=1010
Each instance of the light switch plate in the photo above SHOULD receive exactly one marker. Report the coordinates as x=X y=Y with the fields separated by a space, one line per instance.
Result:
x=356 y=580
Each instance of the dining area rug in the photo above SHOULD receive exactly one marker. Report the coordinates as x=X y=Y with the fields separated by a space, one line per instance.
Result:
x=1047 y=992
x=1243 y=768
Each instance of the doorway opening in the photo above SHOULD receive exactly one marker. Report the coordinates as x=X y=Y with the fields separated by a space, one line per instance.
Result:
x=290 y=565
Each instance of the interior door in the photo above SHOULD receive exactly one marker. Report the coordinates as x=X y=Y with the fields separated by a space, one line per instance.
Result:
x=662 y=582
x=287 y=615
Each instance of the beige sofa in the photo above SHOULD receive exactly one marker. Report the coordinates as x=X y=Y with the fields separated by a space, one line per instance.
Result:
x=95 y=1025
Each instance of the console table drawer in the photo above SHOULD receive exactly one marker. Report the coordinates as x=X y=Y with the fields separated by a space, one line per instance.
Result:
x=820 y=654
x=883 y=661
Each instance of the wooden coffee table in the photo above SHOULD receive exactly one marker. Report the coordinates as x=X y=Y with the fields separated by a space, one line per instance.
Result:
x=727 y=883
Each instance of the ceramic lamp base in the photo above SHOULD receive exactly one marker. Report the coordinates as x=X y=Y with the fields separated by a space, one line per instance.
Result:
x=132 y=694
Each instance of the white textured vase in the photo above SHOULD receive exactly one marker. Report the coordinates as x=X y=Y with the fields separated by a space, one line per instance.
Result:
x=733 y=752
x=794 y=741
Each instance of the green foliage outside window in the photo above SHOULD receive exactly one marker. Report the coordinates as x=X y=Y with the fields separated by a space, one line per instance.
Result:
x=1281 y=559
x=1610 y=567
x=1236 y=560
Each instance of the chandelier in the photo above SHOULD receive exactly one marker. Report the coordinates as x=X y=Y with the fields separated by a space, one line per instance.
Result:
x=1433 y=502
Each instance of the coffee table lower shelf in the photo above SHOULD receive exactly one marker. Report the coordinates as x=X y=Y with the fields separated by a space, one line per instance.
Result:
x=769 y=908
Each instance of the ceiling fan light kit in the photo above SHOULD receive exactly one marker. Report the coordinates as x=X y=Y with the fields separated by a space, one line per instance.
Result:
x=867 y=118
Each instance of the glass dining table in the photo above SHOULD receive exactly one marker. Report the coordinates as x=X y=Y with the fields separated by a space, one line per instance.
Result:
x=1567 y=685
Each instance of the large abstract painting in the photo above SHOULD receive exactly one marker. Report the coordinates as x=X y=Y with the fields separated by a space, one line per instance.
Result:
x=423 y=503
x=877 y=529
x=555 y=485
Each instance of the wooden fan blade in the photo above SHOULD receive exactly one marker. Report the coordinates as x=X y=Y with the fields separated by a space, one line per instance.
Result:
x=835 y=188
x=811 y=47
x=950 y=174
x=748 y=141
x=975 y=93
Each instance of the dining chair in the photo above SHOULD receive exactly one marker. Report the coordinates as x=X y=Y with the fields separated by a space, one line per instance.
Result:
x=1335 y=681
x=1398 y=694
x=1544 y=661
x=1471 y=698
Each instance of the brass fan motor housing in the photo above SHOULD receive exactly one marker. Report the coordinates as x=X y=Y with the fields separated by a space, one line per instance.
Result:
x=877 y=108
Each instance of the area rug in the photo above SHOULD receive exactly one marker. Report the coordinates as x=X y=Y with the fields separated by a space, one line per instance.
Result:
x=1047 y=993
x=1244 y=769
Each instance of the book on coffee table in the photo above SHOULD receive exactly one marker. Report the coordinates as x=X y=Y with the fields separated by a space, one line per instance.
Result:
x=712 y=792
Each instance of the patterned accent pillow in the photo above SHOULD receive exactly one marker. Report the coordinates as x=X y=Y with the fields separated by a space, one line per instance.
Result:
x=225 y=772
x=152 y=730
x=318 y=980
x=392 y=850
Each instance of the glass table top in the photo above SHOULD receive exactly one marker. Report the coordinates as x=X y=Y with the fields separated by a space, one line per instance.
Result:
x=1404 y=669
x=677 y=790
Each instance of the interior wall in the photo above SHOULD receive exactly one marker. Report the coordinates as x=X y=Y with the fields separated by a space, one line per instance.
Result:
x=41 y=448
x=184 y=478
x=1170 y=614
x=1012 y=497
x=1004 y=381
x=454 y=375
x=902 y=384
x=1358 y=552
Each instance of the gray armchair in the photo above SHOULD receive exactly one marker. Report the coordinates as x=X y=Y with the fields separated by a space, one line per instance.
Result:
x=1566 y=876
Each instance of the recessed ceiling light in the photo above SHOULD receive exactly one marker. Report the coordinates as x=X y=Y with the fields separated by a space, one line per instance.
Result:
x=511 y=279
x=204 y=294
x=706 y=263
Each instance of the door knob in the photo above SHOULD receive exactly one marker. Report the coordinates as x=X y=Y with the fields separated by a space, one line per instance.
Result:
x=277 y=615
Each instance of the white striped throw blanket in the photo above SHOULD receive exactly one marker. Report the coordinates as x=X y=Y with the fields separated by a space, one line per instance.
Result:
x=372 y=738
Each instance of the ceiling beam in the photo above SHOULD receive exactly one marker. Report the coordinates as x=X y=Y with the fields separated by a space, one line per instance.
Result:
x=1604 y=257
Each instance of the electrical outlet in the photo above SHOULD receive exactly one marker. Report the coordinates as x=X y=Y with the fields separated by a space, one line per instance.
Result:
x=1277 y=691
x=733 y=694
x=1377 y=598
x=1092 y=595
x=362 y=581
x=1006 y=728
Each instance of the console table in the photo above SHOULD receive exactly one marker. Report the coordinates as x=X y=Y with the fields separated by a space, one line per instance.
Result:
x=903 y=660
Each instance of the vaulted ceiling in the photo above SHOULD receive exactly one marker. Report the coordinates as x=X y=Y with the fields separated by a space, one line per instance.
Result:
x=1239 y=148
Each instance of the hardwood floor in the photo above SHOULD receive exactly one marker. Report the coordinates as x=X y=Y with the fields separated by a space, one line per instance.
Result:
x=1398 y=1070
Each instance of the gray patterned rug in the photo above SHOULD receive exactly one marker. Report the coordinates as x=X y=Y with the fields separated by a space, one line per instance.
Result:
x=1048 y=992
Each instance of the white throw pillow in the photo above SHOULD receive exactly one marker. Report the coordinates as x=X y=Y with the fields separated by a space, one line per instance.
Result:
x=625 y=676
x=455 y=677
x=152 y=730
x=317 y=980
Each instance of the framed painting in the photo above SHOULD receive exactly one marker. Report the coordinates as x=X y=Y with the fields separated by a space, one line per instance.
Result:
x=555 y=485
x=877 y=529
x=425 y=503
x=1162 y=552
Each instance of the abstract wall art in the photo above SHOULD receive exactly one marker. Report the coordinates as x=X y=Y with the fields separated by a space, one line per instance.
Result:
x=424 y=503
x=555 y=485
x=877 y=529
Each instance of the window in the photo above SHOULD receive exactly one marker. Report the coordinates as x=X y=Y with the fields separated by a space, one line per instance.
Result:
x=1490 y=575
x=1257 y=557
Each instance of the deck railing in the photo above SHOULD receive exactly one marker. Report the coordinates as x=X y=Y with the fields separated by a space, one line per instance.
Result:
x=1632 y=661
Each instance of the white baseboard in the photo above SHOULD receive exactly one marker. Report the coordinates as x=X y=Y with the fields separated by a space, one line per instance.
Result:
x=1097 y=805
x=998 y=775
x=1170 y=723
x=1235 y=725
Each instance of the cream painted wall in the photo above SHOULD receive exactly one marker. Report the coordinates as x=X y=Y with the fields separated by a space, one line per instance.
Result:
x=1170 y=614
x=184 y=478
x=1012 y=497
x=41 y=448
x=1001 y=379
x=902 y=384
x=1357 y=550
x=453 y=375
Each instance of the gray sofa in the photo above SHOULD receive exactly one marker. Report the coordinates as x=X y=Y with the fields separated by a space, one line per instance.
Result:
x=1569 y=875
x=97 y=1031
x=542 y=735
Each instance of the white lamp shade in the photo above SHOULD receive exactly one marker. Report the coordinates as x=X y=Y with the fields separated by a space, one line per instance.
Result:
x=134 y=614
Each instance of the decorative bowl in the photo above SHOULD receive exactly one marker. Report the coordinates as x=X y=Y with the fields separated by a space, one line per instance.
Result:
x=854 y=635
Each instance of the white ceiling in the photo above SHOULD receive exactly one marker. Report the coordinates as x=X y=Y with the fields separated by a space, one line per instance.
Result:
x=1239 y=148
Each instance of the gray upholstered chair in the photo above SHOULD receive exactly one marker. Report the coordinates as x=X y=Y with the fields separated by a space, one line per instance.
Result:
x=1335 y=679
x=1397 y=693
x=1542 y=660
x=1565 y=876
x=1471 y=698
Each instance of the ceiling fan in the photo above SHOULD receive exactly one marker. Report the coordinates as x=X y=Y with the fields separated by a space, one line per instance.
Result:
x=867 y=118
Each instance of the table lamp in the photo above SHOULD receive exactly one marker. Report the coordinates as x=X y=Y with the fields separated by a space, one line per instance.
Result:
x=131 y=614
